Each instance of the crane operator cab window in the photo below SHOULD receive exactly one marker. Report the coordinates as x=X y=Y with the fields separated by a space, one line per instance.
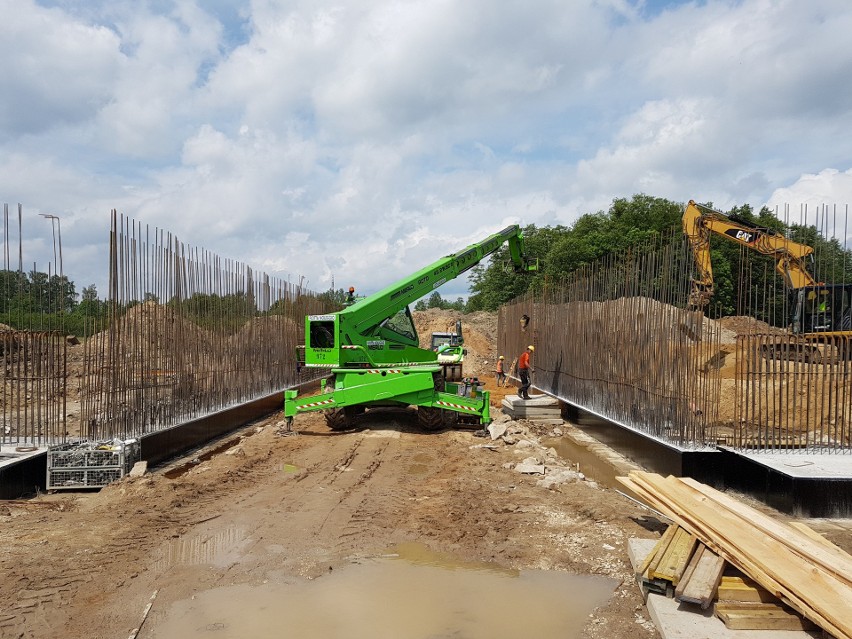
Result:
x=401 y=324
x=828 y=309
x=322 y=334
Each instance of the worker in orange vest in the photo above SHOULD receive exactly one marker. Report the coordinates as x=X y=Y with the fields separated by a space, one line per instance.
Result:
x=524 y=370
x=501 y=373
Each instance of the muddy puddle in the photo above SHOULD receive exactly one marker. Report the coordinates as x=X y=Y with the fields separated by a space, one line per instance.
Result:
x=585 y=460
x=409 y=593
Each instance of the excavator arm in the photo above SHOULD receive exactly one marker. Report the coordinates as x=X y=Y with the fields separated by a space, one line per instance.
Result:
x=700 y=222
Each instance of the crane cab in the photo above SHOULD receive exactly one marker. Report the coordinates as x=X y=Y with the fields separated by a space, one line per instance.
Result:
x=824 y=308
x=321 y=335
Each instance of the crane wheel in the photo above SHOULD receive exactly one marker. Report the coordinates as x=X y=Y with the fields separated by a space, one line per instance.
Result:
x=431 y=419
x=338 y=418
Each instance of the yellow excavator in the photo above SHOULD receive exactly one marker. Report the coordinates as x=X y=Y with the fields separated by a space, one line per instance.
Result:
x=820 y=313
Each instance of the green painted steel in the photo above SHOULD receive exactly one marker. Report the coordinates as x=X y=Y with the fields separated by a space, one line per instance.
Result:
x=371 y=347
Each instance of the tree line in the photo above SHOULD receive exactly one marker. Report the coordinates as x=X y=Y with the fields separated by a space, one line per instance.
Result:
x=644 y=220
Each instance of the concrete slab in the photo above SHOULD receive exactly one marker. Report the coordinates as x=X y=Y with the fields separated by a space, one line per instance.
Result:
x=675 y=620
x=538 y=401
x=22 y=471
x=802 y=465
x=11 y=454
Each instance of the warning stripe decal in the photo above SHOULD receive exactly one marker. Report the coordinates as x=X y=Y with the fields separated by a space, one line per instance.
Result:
x=322 y=403
x=443 y=403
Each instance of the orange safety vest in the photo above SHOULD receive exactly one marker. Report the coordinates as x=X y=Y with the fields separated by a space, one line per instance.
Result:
x=499 y=365
x=524 y=361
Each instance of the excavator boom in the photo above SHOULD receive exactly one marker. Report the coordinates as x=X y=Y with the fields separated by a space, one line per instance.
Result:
x=818 y=309
x=791 y=258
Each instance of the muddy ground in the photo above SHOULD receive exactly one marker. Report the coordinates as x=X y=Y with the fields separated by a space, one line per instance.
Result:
x=283 y=507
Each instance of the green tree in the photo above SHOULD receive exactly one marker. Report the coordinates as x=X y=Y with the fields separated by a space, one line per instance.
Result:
x=642 y=219
x=435 y=301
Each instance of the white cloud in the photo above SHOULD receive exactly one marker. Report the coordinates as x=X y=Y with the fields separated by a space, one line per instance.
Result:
x=55 y=70
x=828 y=187
x=363 y=141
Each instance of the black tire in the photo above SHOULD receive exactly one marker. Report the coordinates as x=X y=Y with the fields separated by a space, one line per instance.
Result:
x=338 y=418
x=430 y=419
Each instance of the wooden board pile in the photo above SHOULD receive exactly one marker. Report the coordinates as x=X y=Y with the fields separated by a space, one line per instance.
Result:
x=782 y=566
x=541 y=409
x=682 y=567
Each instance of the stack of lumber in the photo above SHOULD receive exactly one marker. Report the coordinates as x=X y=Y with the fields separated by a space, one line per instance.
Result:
x=791 y=562
x=681 y=566
x=541 y=409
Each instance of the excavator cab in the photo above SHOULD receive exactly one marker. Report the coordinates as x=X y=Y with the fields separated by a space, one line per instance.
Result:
x=824 y=308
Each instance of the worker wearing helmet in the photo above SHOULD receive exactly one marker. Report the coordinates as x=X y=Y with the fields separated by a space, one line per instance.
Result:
x=501 y=372
x=524 y=370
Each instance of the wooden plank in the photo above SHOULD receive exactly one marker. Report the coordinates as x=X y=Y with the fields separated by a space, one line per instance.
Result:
x=743 y=589
x=650 y=487
x=704 y=580
x=740 y=616
x=654 y=558
x=807 y=586
x=674 y=562
x=690 y=569
x=813 y=534
x=830 y=557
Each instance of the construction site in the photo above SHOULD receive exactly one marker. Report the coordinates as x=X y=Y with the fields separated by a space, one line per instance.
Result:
x=228 y=454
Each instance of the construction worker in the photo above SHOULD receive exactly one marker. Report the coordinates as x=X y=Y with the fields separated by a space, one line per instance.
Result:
x=524 y=370
x=501 y=373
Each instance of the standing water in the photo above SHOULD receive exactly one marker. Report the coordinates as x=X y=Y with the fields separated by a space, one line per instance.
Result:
x=411 y=593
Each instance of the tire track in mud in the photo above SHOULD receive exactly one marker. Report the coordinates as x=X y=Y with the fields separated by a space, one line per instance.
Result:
x=331 y=500
x=36 y=596
x=350 y=477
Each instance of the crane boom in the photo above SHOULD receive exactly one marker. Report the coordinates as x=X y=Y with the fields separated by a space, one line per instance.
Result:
x=368 y=313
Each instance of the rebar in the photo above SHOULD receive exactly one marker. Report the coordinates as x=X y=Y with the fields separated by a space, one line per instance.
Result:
x=615 y=338
x=190 y=333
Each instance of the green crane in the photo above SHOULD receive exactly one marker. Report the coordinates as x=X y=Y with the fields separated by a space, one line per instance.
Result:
x=372 y=352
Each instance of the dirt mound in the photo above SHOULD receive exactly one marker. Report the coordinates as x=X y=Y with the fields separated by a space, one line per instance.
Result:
x=479 y=330
x=745 y=325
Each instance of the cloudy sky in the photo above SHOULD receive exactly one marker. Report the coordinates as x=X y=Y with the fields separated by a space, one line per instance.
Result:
x=362 y=140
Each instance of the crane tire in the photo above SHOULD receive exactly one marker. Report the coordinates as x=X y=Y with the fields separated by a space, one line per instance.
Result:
x=338 y=418
x=430 y=419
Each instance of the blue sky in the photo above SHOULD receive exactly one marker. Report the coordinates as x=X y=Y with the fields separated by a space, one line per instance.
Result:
x=363 y=140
